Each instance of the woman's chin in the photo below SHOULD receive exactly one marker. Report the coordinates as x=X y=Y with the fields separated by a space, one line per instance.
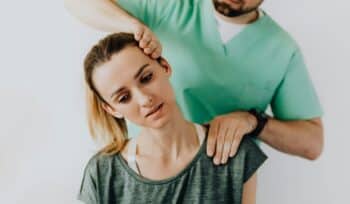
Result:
x=160 y=123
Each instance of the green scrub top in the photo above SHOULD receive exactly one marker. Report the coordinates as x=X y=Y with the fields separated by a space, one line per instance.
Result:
x=260 y=66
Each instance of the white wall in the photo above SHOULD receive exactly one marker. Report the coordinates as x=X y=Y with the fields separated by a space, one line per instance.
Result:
x=44 y=142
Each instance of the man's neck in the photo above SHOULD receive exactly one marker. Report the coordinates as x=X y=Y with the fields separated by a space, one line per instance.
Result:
x=178 y=137
x=242 y=20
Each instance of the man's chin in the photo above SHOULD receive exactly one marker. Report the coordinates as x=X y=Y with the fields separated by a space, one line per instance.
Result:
x=231 y=12
x=227 y=10
x=234 y=13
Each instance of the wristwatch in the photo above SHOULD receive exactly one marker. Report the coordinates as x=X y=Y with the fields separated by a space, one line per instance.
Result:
x=261 y=119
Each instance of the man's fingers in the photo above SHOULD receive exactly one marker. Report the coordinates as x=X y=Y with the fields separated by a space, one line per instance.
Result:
x=211 y=141
x=235 y=144
x=220 y=140
x=157 y=52
x=229 y=136
x=148 y=50
x=138 y=34
x=151 y=47
x=148 y=42
x=225 y=152
x=146 y=39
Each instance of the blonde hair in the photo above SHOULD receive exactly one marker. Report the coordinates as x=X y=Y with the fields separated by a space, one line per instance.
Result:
x=104 y=127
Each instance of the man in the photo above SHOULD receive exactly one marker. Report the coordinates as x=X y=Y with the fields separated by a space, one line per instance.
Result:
x=231 y=61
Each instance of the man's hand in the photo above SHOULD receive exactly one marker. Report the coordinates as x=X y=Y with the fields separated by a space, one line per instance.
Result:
x=226 y=133
x=148 y=42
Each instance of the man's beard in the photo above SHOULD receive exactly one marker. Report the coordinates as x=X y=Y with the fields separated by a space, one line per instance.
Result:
x=226 y=10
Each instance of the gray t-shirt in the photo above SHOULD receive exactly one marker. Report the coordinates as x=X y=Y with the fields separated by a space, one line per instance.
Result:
x=109 y=179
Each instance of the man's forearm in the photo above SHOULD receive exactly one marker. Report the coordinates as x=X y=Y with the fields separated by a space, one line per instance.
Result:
x=103 y=15
x=302 y=138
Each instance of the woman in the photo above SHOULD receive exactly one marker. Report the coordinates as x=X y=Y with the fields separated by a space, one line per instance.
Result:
x=167 y=162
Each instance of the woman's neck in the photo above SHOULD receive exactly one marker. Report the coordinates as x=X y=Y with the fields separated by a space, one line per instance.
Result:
x=178 y=137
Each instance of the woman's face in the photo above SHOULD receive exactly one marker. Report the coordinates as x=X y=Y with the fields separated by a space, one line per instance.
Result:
x=136 y=87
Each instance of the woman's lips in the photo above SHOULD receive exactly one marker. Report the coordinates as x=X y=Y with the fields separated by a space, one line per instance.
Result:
x=155 y=110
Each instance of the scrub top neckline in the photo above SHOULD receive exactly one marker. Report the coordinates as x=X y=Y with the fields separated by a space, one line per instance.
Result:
x=210 y=28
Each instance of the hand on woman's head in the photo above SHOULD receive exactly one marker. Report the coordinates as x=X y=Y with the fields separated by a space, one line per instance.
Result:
x=148 y=41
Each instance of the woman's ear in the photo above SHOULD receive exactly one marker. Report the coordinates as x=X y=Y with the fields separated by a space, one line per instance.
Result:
x=164 y=63
x=112 y=111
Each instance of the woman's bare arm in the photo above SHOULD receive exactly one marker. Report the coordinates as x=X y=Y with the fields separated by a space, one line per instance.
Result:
x=249 y=190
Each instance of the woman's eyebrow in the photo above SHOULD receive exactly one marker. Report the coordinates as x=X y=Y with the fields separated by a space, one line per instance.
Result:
x=139 y=72
x=117 y=91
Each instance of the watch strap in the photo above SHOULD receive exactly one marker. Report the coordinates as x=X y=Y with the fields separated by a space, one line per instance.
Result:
x=261 y=122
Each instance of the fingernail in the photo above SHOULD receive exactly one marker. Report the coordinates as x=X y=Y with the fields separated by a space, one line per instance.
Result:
x=216 y=161
x=223 y=161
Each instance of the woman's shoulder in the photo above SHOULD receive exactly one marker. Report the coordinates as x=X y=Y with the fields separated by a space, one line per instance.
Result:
x=249 y=144
x=96 y=173
x=100 y=161
x=103 y=157
x=248 y=158
x=249 y=148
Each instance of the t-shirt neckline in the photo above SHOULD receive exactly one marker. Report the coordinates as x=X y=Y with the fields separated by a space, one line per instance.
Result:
x=144 y=180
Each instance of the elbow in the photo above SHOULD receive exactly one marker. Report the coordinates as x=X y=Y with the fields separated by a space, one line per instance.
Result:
x=313 y=155
x=314 y=150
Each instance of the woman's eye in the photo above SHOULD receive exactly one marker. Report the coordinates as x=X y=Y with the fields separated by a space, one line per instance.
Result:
x=124 y=98
x=147 y=78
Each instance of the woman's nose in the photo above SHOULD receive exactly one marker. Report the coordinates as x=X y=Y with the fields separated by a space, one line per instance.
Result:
x=145 y=99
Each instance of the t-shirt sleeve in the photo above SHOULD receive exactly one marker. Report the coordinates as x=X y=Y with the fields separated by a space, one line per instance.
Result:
x=150 y=12
x=296 y=97
x=88 y=188
x=254 y=158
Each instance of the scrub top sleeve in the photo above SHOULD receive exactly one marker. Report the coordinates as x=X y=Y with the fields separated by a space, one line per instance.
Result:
x=254 y=158
x=296 y=98
x=150 y=12
x=88 y=188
